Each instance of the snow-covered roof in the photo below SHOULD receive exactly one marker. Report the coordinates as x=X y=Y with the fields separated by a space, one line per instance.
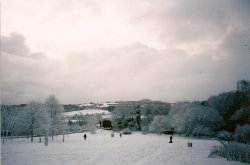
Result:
x=108 y=116
x=87 y=112
x=107 y=105
x=86 y=105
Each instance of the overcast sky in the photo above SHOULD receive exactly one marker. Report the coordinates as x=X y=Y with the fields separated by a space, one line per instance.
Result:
x=96 y=50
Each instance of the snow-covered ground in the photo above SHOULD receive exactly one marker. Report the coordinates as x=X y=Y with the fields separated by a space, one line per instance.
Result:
x=101 y=149
x=87 y=112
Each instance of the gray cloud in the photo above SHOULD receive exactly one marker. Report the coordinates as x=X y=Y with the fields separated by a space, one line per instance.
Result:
x=194 y=22
x=138 y=71
x=14 y=44
x=125 y=73
x=204 y=53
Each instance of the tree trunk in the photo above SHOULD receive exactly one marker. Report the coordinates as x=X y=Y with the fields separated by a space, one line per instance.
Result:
x=31 y=134
x=6 y=135
x=52 y=135
x=46 y=141
x=12 y=138
x=3 y=137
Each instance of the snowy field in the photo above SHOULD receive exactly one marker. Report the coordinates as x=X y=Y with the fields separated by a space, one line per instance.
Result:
x=101 y=149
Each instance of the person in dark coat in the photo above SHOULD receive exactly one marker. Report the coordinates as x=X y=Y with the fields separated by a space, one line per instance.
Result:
x=120 y=134
x=85 y=136
x=171 y=139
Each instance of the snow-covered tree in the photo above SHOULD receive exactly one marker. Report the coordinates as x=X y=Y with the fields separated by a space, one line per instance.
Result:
x=192 y=118
x=150 y=109
x=242 y=116
x=8 y=121
x=57 y=124
x=123 y=116
x=91 y=123
x=137 y=114
x=33 y=120
x=138 y=117
x=224 y=135
x=242 y=133
x=201 y=130
x=43 y=123
x=160 y=124
x=234 y=107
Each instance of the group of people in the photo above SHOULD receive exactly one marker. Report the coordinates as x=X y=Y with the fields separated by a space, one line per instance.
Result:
x=112 y=135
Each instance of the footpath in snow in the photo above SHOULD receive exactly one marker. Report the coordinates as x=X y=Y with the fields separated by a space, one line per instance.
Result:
x=101 y=149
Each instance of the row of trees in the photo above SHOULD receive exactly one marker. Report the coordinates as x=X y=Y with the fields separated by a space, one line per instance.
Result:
x=190 y=119
x=226 y=115
x=81 y=123
x=34 y=119
x=137 y=115
x=234 y=107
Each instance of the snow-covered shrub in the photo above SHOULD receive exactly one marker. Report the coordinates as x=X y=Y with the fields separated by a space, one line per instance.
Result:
x=91 y=125
x=122 y=116
x=202 y=131
x=232 y=151
x=188 y=118
x=144 y=126
x=160 y=124
x=126 y=131
x=242 y=133
x=74 y=128
x=224 y=135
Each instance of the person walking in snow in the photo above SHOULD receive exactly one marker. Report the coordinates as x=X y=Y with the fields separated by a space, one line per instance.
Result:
x=85 y=136
x=171 y=139
x=120 y=135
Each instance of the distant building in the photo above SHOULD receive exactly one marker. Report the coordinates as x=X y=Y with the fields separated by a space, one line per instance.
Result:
x=243 y=85
x=105 y=122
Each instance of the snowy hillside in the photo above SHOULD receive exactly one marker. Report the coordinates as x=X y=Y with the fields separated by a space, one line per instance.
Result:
x=101 y=149
x=87 y=112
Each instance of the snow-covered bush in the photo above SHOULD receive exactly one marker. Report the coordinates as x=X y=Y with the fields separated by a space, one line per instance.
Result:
x=224 y=135
x=122 y=116
x=91 y=125
x=242 y=133
x=200 y=130
x=191 y=118
x=74 y=128
x=126 y=131
x=160 y=124
x=232 y=151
